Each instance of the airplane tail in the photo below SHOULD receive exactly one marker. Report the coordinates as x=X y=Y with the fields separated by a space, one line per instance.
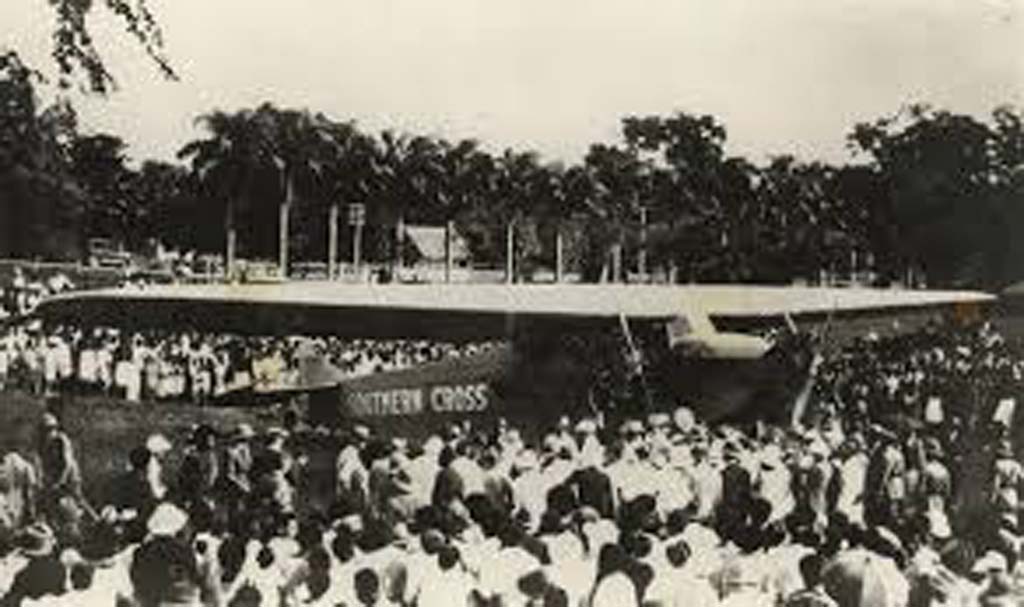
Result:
x=315 y=371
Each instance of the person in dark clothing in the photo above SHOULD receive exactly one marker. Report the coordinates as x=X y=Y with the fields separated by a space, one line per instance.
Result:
x=165 y=569
x=60 y=479
x=133 y=491
x=43 y=575
x=737 y=495
x=199 y=468
x=593 y=488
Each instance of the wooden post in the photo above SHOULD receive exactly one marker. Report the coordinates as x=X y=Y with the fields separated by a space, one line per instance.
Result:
x=510 y=249
x=332 y=241
x=559 y=261
x=230 y=241
x=448 y=228
x=397 y=260
x=641 y=260
x=357 y=245
x=616 y=262
x=285 y=212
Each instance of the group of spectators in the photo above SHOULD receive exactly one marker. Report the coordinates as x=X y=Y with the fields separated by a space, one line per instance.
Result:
x=172 y=364
x=900 y=487
x=186 y=366
x=19 y=295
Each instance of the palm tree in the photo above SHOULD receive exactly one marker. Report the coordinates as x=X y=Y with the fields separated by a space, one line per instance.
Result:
x=460 y=171
x=300 y=144
x=561 y=197
x=350 y=173
x=390 y=167
x=620 y=183
x=227 y=164
x=518 y=179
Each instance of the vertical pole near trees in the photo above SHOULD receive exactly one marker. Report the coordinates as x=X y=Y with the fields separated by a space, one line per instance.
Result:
x=559 y=261
x=641 y=261
x=397 y=261
x=357 y=246
x=510 y=250
x=356 y=219
x=283 y=231
x=230 y=241
x=616 y=262
x=332 y=241
x=449 y=226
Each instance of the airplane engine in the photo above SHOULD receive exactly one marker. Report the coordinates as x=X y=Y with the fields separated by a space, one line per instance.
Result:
x=737 y=346
x=696 y=337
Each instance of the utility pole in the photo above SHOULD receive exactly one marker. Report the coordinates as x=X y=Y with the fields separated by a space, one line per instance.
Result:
x=356 y=219
x=510 y=250
x=641 y=260
x=332 y=241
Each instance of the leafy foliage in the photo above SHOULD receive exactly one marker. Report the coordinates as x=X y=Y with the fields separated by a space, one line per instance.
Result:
x=74 y=48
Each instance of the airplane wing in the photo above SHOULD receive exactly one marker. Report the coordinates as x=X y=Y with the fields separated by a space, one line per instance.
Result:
x=457 y=313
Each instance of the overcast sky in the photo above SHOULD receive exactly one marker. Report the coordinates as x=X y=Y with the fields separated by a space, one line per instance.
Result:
x=784 y=76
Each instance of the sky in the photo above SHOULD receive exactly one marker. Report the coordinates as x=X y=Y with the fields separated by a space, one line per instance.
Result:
x=783 y=76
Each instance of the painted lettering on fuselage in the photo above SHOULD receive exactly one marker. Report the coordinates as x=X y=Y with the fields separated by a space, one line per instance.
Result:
x=460 y=398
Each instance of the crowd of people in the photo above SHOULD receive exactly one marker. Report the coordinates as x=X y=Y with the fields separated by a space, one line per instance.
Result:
x=900 y=487
x=185 y=366
x=172 y=364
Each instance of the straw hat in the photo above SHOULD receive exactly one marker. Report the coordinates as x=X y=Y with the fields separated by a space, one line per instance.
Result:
x=158 y=444
x=167 y=519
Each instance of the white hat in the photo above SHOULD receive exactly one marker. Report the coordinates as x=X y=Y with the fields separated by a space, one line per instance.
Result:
x=586 y=426
x=684 y=419
x=167 y=519
x=658 y=420
x=434 y=445
x=527 y=460
x=158 y=444
x=771 y=456
x=992 y=561
x=938 y=524
x=818 y=448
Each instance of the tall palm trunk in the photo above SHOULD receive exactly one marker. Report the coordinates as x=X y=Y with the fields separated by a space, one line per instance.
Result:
x=559 y=261
x=230 y=240
x=396 y=259
x=616 y=262
x=332 y=240
x=448 y=229
x=510 y=250
x=285 y=213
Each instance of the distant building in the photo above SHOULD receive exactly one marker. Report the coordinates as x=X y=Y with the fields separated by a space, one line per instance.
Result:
x=423 y=252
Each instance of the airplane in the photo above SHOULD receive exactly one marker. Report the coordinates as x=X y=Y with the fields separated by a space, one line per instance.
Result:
x=556 y=344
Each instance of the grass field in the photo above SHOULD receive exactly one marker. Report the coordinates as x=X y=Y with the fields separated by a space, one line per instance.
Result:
x=104 y=430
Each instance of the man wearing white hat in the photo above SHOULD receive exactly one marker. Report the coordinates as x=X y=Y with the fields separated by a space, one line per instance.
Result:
x=164 y=569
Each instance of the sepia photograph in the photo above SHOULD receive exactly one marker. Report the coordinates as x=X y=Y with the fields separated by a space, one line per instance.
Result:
x=535 y=303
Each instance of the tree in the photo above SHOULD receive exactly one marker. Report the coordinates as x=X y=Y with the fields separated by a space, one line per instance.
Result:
x=166 y=208
x=462 y=173
x=74 y=49
x=299 y=143
x=516 y=183
x=556 y=207
x=350 y=173
x=692 y=192
x=40 y=205
x=98 y=163
x=948 y=180
x=227 y=165
x=621 y=182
